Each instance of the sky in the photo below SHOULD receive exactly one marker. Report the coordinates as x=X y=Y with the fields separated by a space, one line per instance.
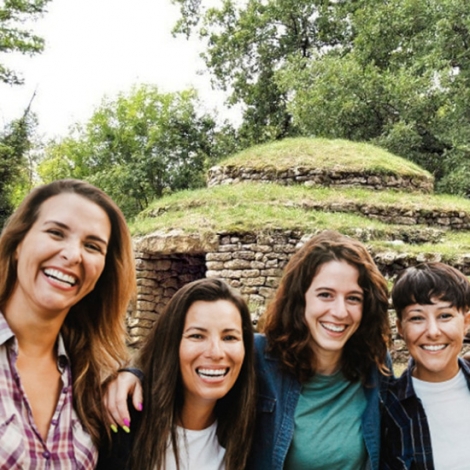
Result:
x=102 y=47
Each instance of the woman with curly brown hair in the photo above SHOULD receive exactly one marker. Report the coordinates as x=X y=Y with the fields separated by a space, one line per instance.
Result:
x=320 y=361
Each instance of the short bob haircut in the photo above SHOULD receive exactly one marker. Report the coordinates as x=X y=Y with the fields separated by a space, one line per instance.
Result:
x=424 y=283
x=286 y=328
x=93 y=330
x=163 y=386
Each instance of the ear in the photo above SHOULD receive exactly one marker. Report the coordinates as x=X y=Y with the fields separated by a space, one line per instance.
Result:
x=467 y=321
x=399 y=327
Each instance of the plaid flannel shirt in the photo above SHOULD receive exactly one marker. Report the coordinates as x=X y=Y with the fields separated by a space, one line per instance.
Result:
x=67 y=446
x=406 y=438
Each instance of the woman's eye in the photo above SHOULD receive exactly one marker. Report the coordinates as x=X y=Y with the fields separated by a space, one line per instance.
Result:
x=415 y=318
x=195 y=336
x=93 y=247
x=231 y=338
x=324 y=295
x=446 y=316
x=55 y=233
x=355 y=299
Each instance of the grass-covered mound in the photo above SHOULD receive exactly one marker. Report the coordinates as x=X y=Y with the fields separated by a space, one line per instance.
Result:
x=332 y=155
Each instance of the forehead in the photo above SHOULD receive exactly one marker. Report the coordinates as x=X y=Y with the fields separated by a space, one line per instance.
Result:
x=76 y=212
x=217 y=314
x=436 y=307
x=336 y=273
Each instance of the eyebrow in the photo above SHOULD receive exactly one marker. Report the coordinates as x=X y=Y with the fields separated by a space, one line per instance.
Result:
x=333 y=290
x=200 y=328
x=66 y=227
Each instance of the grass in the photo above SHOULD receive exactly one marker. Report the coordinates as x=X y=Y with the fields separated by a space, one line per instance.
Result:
x=269 y=207
x=249 y=206
x=327 y=154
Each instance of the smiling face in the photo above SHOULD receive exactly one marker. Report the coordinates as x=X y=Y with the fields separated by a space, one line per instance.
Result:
x=434 y=335
x=61 y=257
x=211 y=352
x=333 y=311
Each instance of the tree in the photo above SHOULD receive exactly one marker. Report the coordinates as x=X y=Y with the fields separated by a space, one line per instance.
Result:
x=403 y=83
x=15 y=145
x=14 y=37
x=395 y=73
x=139 y=146
x=247 y=42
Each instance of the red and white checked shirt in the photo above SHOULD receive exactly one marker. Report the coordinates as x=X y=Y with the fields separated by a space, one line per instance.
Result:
x=67 y=446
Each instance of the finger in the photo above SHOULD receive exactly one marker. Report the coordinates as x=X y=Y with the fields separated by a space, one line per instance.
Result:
x=137 y=397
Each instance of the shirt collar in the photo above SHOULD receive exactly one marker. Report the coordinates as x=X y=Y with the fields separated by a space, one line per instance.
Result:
x=5 y=330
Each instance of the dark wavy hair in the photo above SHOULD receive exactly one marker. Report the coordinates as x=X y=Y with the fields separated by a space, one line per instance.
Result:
x=286 y=328
x=163 y=386
x=421 y=283
x=93 y=329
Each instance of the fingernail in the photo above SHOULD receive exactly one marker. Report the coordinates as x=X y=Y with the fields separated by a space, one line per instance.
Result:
x=140 y=407
x=126 y=422
x=114 y=428
x=126 y=429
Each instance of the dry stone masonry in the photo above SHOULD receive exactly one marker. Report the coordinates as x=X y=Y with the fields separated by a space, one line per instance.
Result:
x=310 y=177
x=251 y=262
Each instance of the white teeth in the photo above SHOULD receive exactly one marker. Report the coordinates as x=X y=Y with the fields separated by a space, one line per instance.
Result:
x=60 y=276
x=335 y=328
x=212 y=372
x=433 y=347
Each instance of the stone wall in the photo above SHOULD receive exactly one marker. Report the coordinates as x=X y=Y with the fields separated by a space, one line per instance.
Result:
x=158 y=278
x=251 y=262
x=310 y=177
x=446 y=219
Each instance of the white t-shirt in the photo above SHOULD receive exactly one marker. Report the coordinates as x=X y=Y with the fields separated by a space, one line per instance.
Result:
x=447 y=408
x=198 y=450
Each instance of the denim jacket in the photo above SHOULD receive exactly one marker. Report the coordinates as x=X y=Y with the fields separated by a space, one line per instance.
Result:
x=278 y=393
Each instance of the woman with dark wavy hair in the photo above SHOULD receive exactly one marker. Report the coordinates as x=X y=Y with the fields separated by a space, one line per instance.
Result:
x=320 y=361
x=66 y=278
x=199 y=387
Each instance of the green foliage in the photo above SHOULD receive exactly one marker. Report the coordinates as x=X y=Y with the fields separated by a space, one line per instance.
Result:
x=403 y=84
x=140 y=146
x=13 y=35
x=394 y=73
x=248 y=41
x=15 y=145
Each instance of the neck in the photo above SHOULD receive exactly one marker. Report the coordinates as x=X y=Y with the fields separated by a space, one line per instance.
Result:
x=197 y=416
x=36 y=335
x=327 y=364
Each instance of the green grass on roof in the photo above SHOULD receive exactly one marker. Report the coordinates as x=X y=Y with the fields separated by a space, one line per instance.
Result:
x=250 y=206
x=330 y=154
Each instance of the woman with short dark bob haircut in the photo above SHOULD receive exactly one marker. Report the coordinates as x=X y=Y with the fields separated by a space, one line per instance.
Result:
x=320 y=360
x=66 y=278
x=205 y=329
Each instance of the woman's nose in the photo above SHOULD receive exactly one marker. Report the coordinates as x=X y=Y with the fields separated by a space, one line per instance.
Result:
x=339 y=308
x=215 y=350
x=72 y=253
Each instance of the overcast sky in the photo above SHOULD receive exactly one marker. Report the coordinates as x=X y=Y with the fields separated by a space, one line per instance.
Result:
x=100 y=47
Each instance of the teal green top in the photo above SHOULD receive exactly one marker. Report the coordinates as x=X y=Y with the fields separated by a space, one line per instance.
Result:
x=327 y=433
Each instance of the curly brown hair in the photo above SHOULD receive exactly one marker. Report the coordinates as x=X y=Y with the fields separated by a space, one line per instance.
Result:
x=286 y=329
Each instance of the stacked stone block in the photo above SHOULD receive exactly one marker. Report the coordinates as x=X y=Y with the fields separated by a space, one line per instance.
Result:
x=158 y=278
